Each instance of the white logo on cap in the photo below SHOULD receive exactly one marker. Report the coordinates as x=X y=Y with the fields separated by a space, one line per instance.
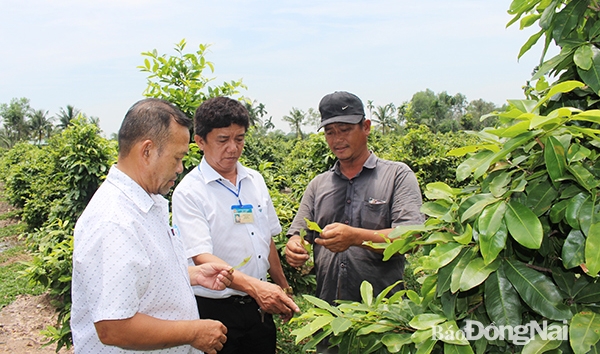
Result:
x=344 y=108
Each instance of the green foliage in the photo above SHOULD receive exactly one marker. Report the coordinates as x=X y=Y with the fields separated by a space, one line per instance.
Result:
x=179 y=79
x=53 y=184
x=520 y=244
x=573 y=26
x=20 y=168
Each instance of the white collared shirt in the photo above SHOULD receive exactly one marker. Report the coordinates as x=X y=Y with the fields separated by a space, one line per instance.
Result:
x=126 y=260
x=202 y=213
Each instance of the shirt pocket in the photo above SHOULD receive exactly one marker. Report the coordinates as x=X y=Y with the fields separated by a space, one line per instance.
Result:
x=375 y=216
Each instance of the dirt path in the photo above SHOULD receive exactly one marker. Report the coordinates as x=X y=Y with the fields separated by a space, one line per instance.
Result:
x=21 y=323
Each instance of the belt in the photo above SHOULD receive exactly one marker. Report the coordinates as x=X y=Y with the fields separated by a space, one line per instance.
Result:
x=234 y=299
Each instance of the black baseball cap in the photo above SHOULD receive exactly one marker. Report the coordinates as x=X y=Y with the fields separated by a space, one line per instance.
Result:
x=341 y=107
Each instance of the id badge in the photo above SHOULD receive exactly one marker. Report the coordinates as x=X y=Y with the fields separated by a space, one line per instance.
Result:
x=242 y=214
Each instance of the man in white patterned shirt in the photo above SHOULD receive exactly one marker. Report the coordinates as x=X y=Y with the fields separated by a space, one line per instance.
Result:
x=131 y=281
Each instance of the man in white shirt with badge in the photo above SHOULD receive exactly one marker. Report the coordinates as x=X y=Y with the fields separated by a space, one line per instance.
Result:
x=225 y=214
x=131 y=281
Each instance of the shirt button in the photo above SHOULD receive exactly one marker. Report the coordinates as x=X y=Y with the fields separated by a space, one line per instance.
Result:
x=351 y=182
x=346 y=222
x=348 y=201
x=343 y=265
x=259 y=256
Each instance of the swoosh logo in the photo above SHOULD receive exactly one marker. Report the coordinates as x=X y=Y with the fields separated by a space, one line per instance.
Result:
x=344 y=108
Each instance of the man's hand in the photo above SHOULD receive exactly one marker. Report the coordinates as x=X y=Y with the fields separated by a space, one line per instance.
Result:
x=210 y=336
x=295 y=254
x=272 y=299
x=214 y=276
x=338 y=237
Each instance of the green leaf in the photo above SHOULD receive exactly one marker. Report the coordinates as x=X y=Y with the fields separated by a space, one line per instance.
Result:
x=583 y=57
x=554 y=156
x=572 y=210
x=457 y=349
x=541 y=197
x=309 y=329
x=426 y=320
x=313 y=226
x=340 y=324
x=587 y=215
x=538 y=345
x=441 y=255
x=436 y=209
x=523 y=225
x=498 y=185
x=475 y=209
x=450 y=327
x=573 y=250
x=395 y=341
x=425 y=347
x=375 y=328
x=567 y=19
x=457 y=272
x=322 y=304
x=242 y=263
x=592 y=250
x=476 y=272
x=583 y=176
x=563 y=87
x=440 y=190
x=466 y=236
x=592 y=115
x=491 y=218
x=536 y=290
x=584 y=331
x=589 y=294
x=366 y=293
x=591 y=76
x=531 y=41
x=508 y=147
x=464 y=170
x=490 y=245
x=502 y=301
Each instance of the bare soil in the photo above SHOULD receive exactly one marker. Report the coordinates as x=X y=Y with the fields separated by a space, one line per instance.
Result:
x=21 y=323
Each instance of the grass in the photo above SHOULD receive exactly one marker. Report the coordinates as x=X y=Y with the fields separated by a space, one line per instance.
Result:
x=11 y=262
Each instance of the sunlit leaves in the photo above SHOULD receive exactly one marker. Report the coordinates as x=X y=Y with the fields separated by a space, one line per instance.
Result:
x=523 y=225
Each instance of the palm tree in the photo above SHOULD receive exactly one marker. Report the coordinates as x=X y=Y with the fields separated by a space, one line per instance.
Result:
x=40 y=124
x=256 y=111
x=370 y=108
x=66 y=115
x=384 y=116
x=296 y=119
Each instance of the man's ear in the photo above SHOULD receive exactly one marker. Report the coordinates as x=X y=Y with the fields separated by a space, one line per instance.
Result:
x=146 y=148
x=199 y=141
x=367 y=125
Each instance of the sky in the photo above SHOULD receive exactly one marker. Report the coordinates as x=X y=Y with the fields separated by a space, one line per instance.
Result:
x=288 y=53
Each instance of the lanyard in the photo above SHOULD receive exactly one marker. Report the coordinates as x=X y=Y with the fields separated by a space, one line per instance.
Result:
x=237 y=195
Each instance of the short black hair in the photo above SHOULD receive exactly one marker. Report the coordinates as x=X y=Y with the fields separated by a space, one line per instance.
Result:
x=219 y=112
x=149 y=118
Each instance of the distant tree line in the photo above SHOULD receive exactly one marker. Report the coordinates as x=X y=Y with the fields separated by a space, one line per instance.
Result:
x=21 y=122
